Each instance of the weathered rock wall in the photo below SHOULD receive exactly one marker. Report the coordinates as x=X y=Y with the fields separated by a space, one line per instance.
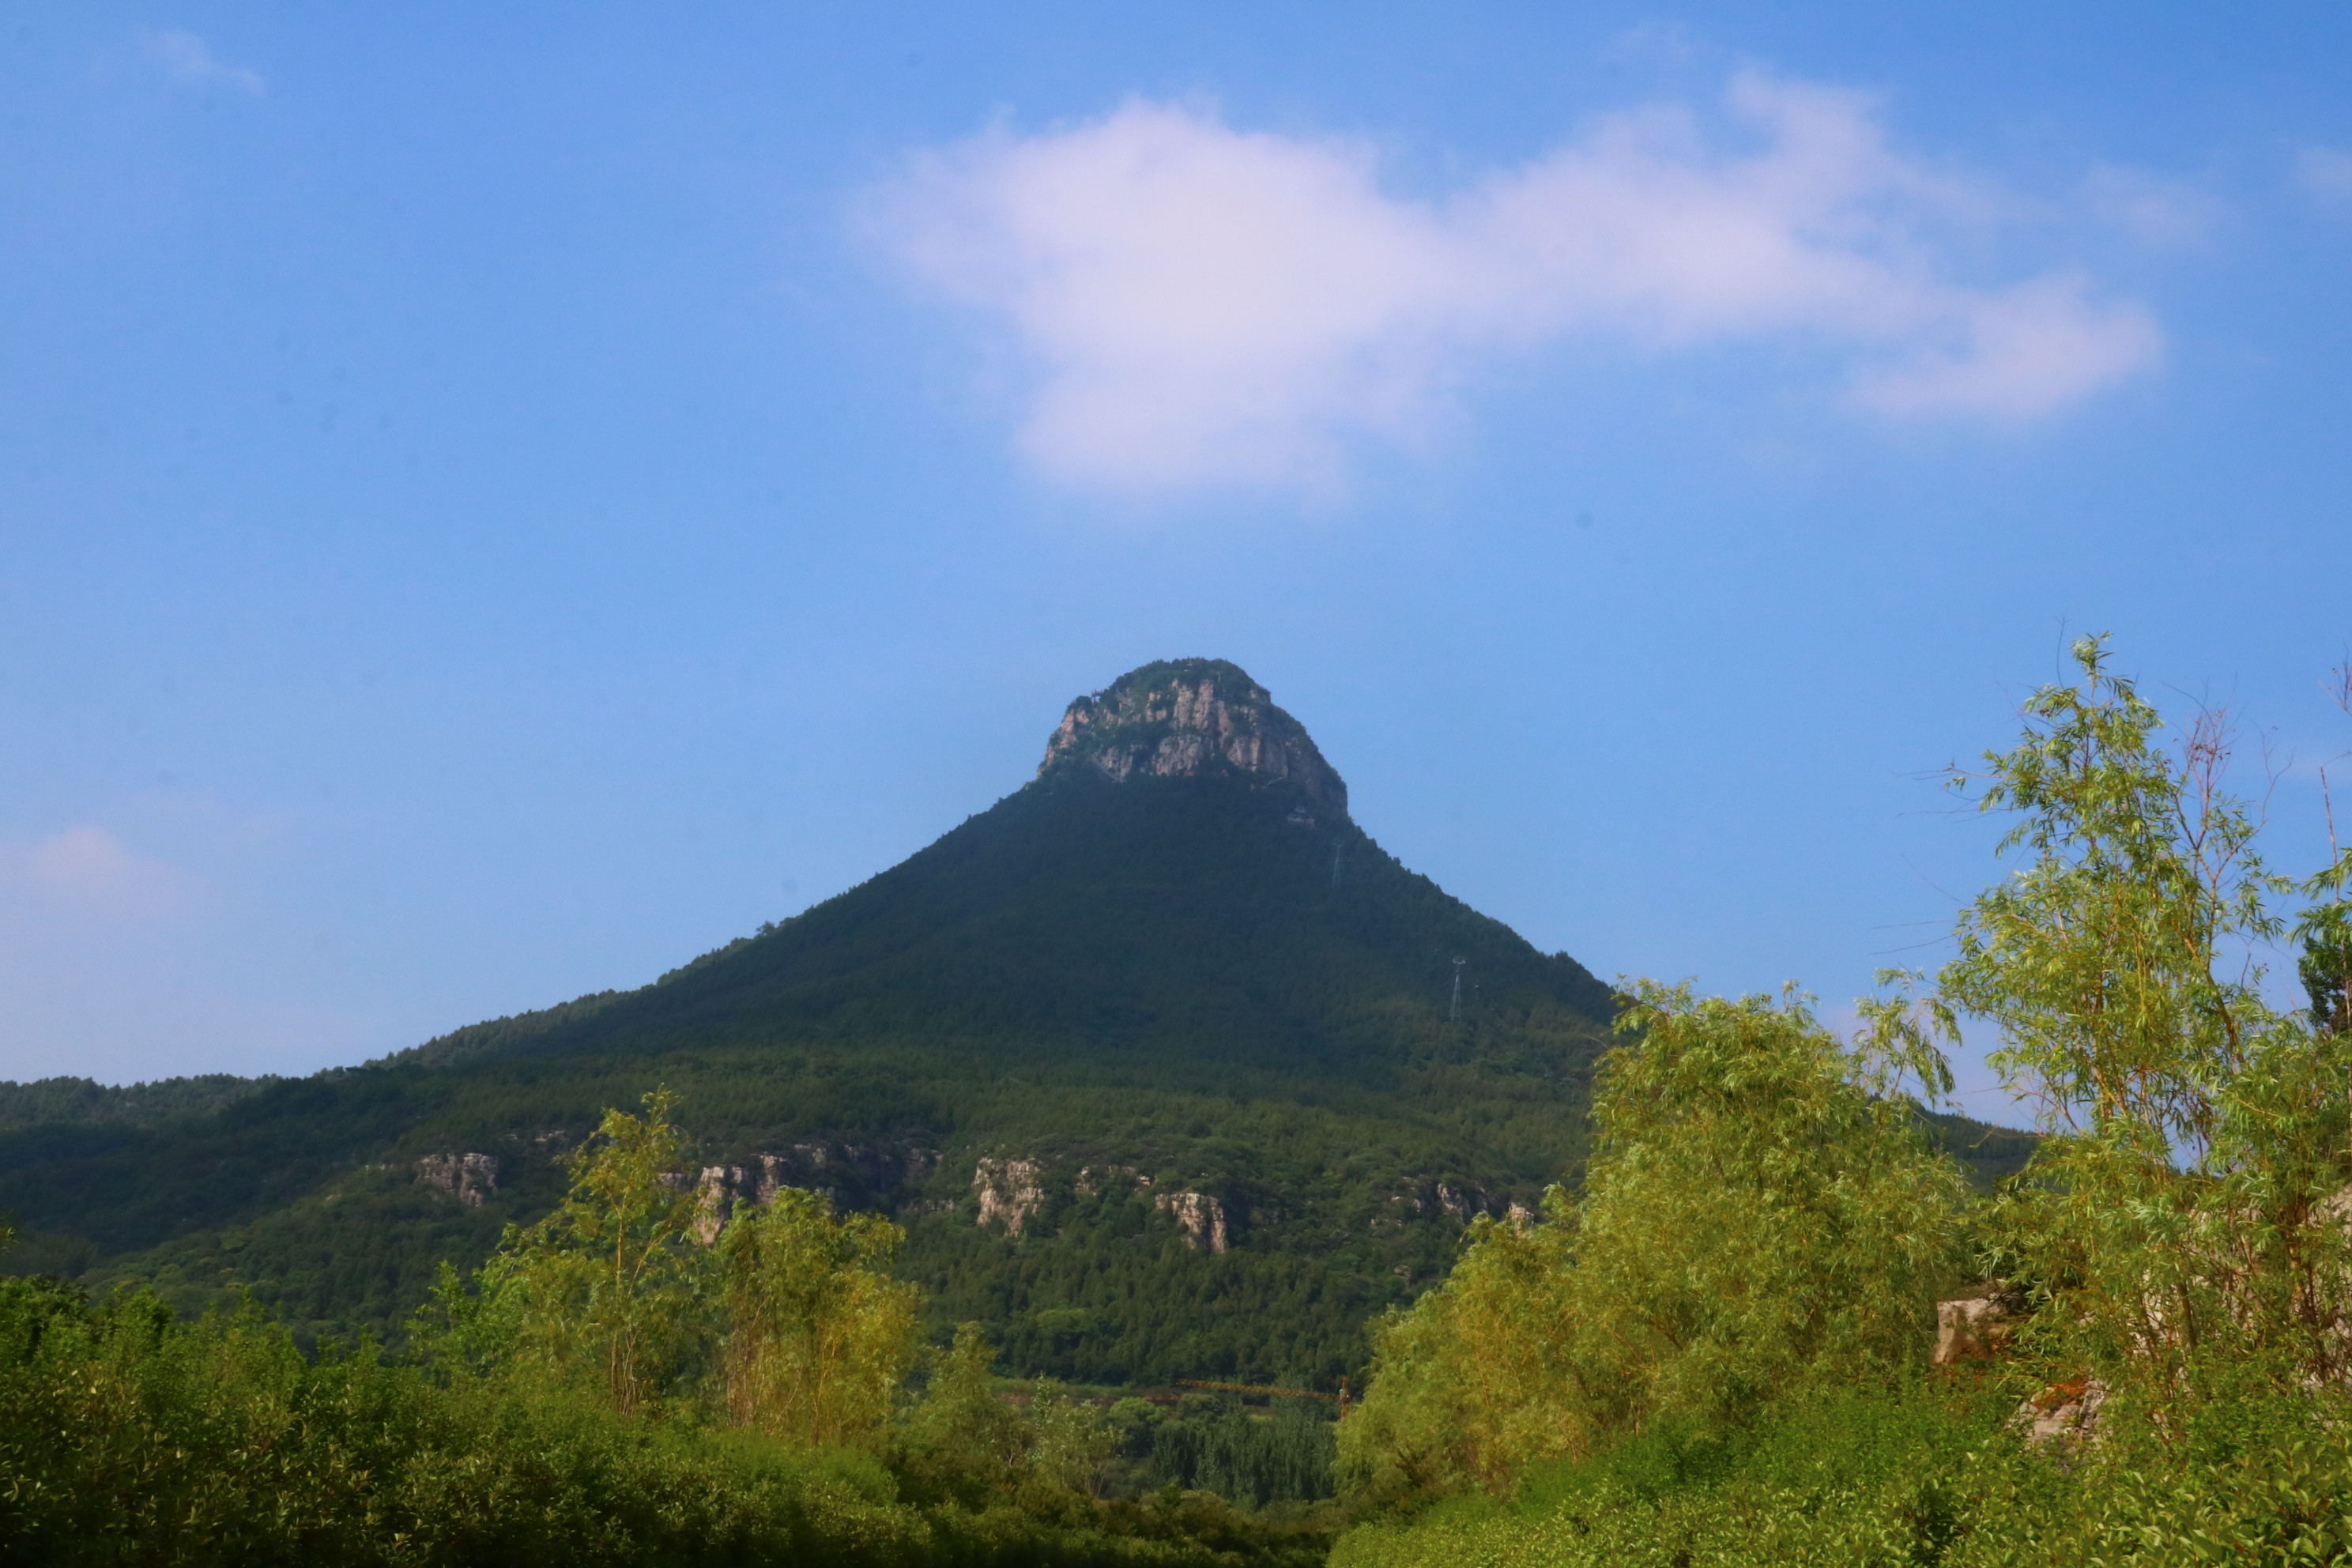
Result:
x=1186 y=718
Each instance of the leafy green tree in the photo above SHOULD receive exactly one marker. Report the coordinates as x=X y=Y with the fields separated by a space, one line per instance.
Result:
x=2183 y=1211
x=1762 y=1210
x=610 y=1287
x=2326 y=926
x=1477 y=1380
x=1763 y=1214
x=1070 y=1442
x=960 y=1441
x=819 y=1336
x=2325 y=970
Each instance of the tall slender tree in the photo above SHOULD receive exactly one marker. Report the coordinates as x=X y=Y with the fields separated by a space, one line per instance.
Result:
x=2183 y=1209
x=610 y=1287
x=819 y=1336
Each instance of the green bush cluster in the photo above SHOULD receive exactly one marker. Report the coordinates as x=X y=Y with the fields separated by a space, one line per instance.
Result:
x=127 y=1435
x=1760 y=1219
x=1926 y=1476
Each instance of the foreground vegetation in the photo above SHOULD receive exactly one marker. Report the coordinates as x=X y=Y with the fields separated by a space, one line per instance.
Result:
x=1715 y=1353
x=127 y=1435
x=1713 y=1349
x=610 y=1389
x=1925 y=1473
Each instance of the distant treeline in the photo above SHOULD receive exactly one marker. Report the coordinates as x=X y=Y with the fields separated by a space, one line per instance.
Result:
x=80 y=1101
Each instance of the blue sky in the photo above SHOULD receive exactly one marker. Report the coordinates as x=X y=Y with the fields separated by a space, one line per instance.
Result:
x=493 y=504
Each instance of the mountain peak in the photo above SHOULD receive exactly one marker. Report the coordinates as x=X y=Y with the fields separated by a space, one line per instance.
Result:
x=1179 y=718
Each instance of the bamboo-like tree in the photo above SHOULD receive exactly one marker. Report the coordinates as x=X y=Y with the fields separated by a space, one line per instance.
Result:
x=2326 y=926
x=2183 y=1212
x=609 y=1289
x=819 y=1336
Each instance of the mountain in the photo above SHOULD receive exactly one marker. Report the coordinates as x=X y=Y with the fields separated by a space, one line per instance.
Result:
x=1169 y=1069
x=1181 y=885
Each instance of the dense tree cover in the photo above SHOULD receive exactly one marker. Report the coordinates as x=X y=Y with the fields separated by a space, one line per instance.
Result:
x=782 y=1318
x=1760 y=1217
x=1177 y=977
x=1198 y=918
x=1172 y=976
x=609 y=1387
x=80 y=1101
x=1327 y=1204
x=1217 y=1446
x=2179 y=1233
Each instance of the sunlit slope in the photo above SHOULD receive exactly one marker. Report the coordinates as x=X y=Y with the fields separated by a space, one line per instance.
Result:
x=1216 y=983
x=1203 y=920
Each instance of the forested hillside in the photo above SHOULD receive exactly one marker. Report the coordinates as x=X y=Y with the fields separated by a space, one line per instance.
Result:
x=1258 y=1075
x=1161 y=1071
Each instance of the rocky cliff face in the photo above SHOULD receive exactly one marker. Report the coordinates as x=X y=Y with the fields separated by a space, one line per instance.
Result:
x=469 y=1178
x=852 y=1176
x=1182 y=718
x=1008 y=1191
x=1201 y=1217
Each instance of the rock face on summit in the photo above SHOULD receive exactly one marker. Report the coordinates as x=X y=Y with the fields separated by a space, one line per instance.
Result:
x=1180 y=718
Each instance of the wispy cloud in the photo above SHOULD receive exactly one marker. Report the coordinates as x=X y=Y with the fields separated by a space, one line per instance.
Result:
x=2326 y=171
x=89 y=870
x=2150 y=206
x=1202 y=305
x=187 y=57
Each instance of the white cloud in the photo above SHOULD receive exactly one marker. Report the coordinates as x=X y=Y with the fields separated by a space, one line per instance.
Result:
x=2149 y=206
x=2326 y=171
x=1203 y=305
x=89 y=870
x=187 y=57
x=2021 y=351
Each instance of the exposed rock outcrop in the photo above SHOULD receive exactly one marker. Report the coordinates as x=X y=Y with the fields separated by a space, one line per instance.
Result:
x=1008 y=1191
x=1182 y=718
x=469 y=1178
x=1459 y=1202
x=1200 y=1217
x=1976 y=1328
x=2063 y=1411
x=852 y=1176
x=715 y=1198
x=1983 y=1328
